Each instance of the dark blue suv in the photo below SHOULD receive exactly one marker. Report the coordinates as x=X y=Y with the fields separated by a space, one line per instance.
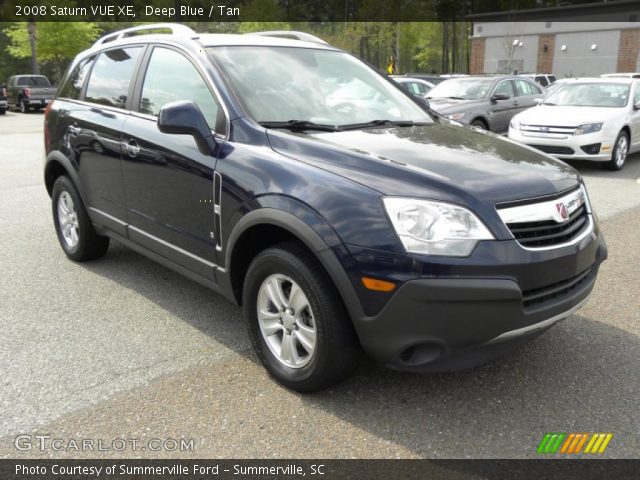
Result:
x=333 y=206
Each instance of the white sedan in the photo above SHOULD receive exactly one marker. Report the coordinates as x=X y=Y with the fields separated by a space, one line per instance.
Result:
x=587 y=119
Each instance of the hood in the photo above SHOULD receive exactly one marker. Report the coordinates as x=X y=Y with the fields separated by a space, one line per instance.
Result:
x=449 y=105
x=435 y=161
x=566 y=116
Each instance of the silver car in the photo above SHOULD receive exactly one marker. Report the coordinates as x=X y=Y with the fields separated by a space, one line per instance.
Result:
x=484 y=102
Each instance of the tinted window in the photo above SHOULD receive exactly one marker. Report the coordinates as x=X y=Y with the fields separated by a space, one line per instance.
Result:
x=33 y=82
x=111 y=76
x=542 y=81
x=505 y=87
x=75 y=82
x=170 y=77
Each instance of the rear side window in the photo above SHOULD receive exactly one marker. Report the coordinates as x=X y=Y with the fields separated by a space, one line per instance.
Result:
x=73 y=86
x=33 y=82
x=170 y=77
x=111 y=76
x=526 y=88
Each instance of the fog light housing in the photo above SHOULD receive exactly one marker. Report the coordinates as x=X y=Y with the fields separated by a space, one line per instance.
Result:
x=592 y=149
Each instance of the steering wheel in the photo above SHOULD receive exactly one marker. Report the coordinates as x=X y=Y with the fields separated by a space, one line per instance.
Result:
x=345 y=107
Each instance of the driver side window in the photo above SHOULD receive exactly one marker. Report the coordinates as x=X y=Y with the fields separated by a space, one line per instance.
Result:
x=505 y=87
x=171 y=77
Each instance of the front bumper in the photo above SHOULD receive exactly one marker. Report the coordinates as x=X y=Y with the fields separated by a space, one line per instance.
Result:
x=440 y=324
x=3 y=104
x=37 y=102
x=557 y=145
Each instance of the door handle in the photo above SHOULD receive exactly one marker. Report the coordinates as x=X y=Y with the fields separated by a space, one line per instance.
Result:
x=132 y=148
x=515 y=104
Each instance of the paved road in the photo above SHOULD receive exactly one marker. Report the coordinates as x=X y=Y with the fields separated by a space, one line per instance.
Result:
x=122 y=347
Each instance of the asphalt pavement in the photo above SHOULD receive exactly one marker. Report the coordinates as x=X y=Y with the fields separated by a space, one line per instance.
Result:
x=124 y=348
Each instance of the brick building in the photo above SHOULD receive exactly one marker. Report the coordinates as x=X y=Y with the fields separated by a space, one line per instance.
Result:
x=576 y=40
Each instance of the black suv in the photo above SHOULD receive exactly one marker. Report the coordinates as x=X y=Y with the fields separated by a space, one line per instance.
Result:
x=333 y=206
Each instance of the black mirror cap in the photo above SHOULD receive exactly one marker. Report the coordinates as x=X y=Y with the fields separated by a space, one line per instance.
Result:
x=500 y=96
x=185 y=118
x=424 y=101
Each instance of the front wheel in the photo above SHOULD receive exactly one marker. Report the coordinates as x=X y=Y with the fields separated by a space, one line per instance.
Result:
x=298 y=325
x=479 y=124
x=76 y=234
x=620 y=151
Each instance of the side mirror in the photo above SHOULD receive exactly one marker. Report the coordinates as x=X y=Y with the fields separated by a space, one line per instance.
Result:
x=423 y=101
x=636 y=106
x=500 y=96
x=185 y=118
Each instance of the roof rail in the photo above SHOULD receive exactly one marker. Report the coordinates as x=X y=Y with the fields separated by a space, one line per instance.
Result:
x=305 y=37
x=176 y=29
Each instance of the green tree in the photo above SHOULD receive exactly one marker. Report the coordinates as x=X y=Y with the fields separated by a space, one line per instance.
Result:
x=56 y=42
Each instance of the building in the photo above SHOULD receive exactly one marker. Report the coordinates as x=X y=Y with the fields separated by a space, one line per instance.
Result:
x=568 y=41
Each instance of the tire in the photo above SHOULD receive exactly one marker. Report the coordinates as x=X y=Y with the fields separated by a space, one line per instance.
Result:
x=620 y=152
x=3 y=111
x=67 y=207
x=331 y=352
x=479 y=124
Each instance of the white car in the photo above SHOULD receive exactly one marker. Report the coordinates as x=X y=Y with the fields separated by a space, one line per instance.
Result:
x=587 y=119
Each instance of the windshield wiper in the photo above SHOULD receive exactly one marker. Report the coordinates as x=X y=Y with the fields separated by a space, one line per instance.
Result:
x=452 y=98
x=300 y=125
x=382 y=123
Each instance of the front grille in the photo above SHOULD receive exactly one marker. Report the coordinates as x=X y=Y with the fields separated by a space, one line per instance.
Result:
x=553 y=149
x=547 y=129
x=549 y=232
x=536 y=296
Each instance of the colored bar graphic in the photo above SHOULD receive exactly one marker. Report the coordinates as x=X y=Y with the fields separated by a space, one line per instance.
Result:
x=572 y=443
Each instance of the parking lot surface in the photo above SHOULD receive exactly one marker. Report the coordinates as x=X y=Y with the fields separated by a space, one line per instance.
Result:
x=124 y=348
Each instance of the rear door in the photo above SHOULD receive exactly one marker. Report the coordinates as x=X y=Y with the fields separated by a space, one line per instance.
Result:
x=92 y=131
x=169 y=183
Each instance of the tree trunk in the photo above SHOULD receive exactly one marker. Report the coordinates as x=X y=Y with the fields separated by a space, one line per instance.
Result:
x=31 y=28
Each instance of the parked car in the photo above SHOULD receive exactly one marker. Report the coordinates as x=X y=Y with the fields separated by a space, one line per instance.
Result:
x=484 y=102
x=621 y=75
x=543 y=79
x=587 y=119
x=3 y=99
x=337 y=228
x=30 y=92
x=415 y=86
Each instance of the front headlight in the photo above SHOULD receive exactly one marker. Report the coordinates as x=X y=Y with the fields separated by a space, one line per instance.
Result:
x=588 y=128
x=435 y=228
x=456 y=116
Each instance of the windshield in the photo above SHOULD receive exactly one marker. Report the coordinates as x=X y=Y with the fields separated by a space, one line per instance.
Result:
x=462 y=88
x=326 y=87
x=590 y=95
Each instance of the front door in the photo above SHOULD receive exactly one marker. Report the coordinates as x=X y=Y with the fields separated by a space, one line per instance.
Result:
x=168 y=181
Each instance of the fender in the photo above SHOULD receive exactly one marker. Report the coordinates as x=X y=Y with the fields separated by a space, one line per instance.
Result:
x=57 y=156
x=322 y=246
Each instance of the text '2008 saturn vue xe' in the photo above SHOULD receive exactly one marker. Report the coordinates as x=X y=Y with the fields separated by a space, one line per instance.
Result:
x=300 y=183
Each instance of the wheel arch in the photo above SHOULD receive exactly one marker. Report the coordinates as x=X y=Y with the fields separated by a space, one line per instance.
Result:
x=57 y=165
x=265 y=227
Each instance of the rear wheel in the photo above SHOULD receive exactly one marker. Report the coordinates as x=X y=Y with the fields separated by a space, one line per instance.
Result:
x=3 y=111
x=298 y=325
x=620 y=151
x=76 y=234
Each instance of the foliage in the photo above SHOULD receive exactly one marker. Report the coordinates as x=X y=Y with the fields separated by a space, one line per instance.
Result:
x=57 y=42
